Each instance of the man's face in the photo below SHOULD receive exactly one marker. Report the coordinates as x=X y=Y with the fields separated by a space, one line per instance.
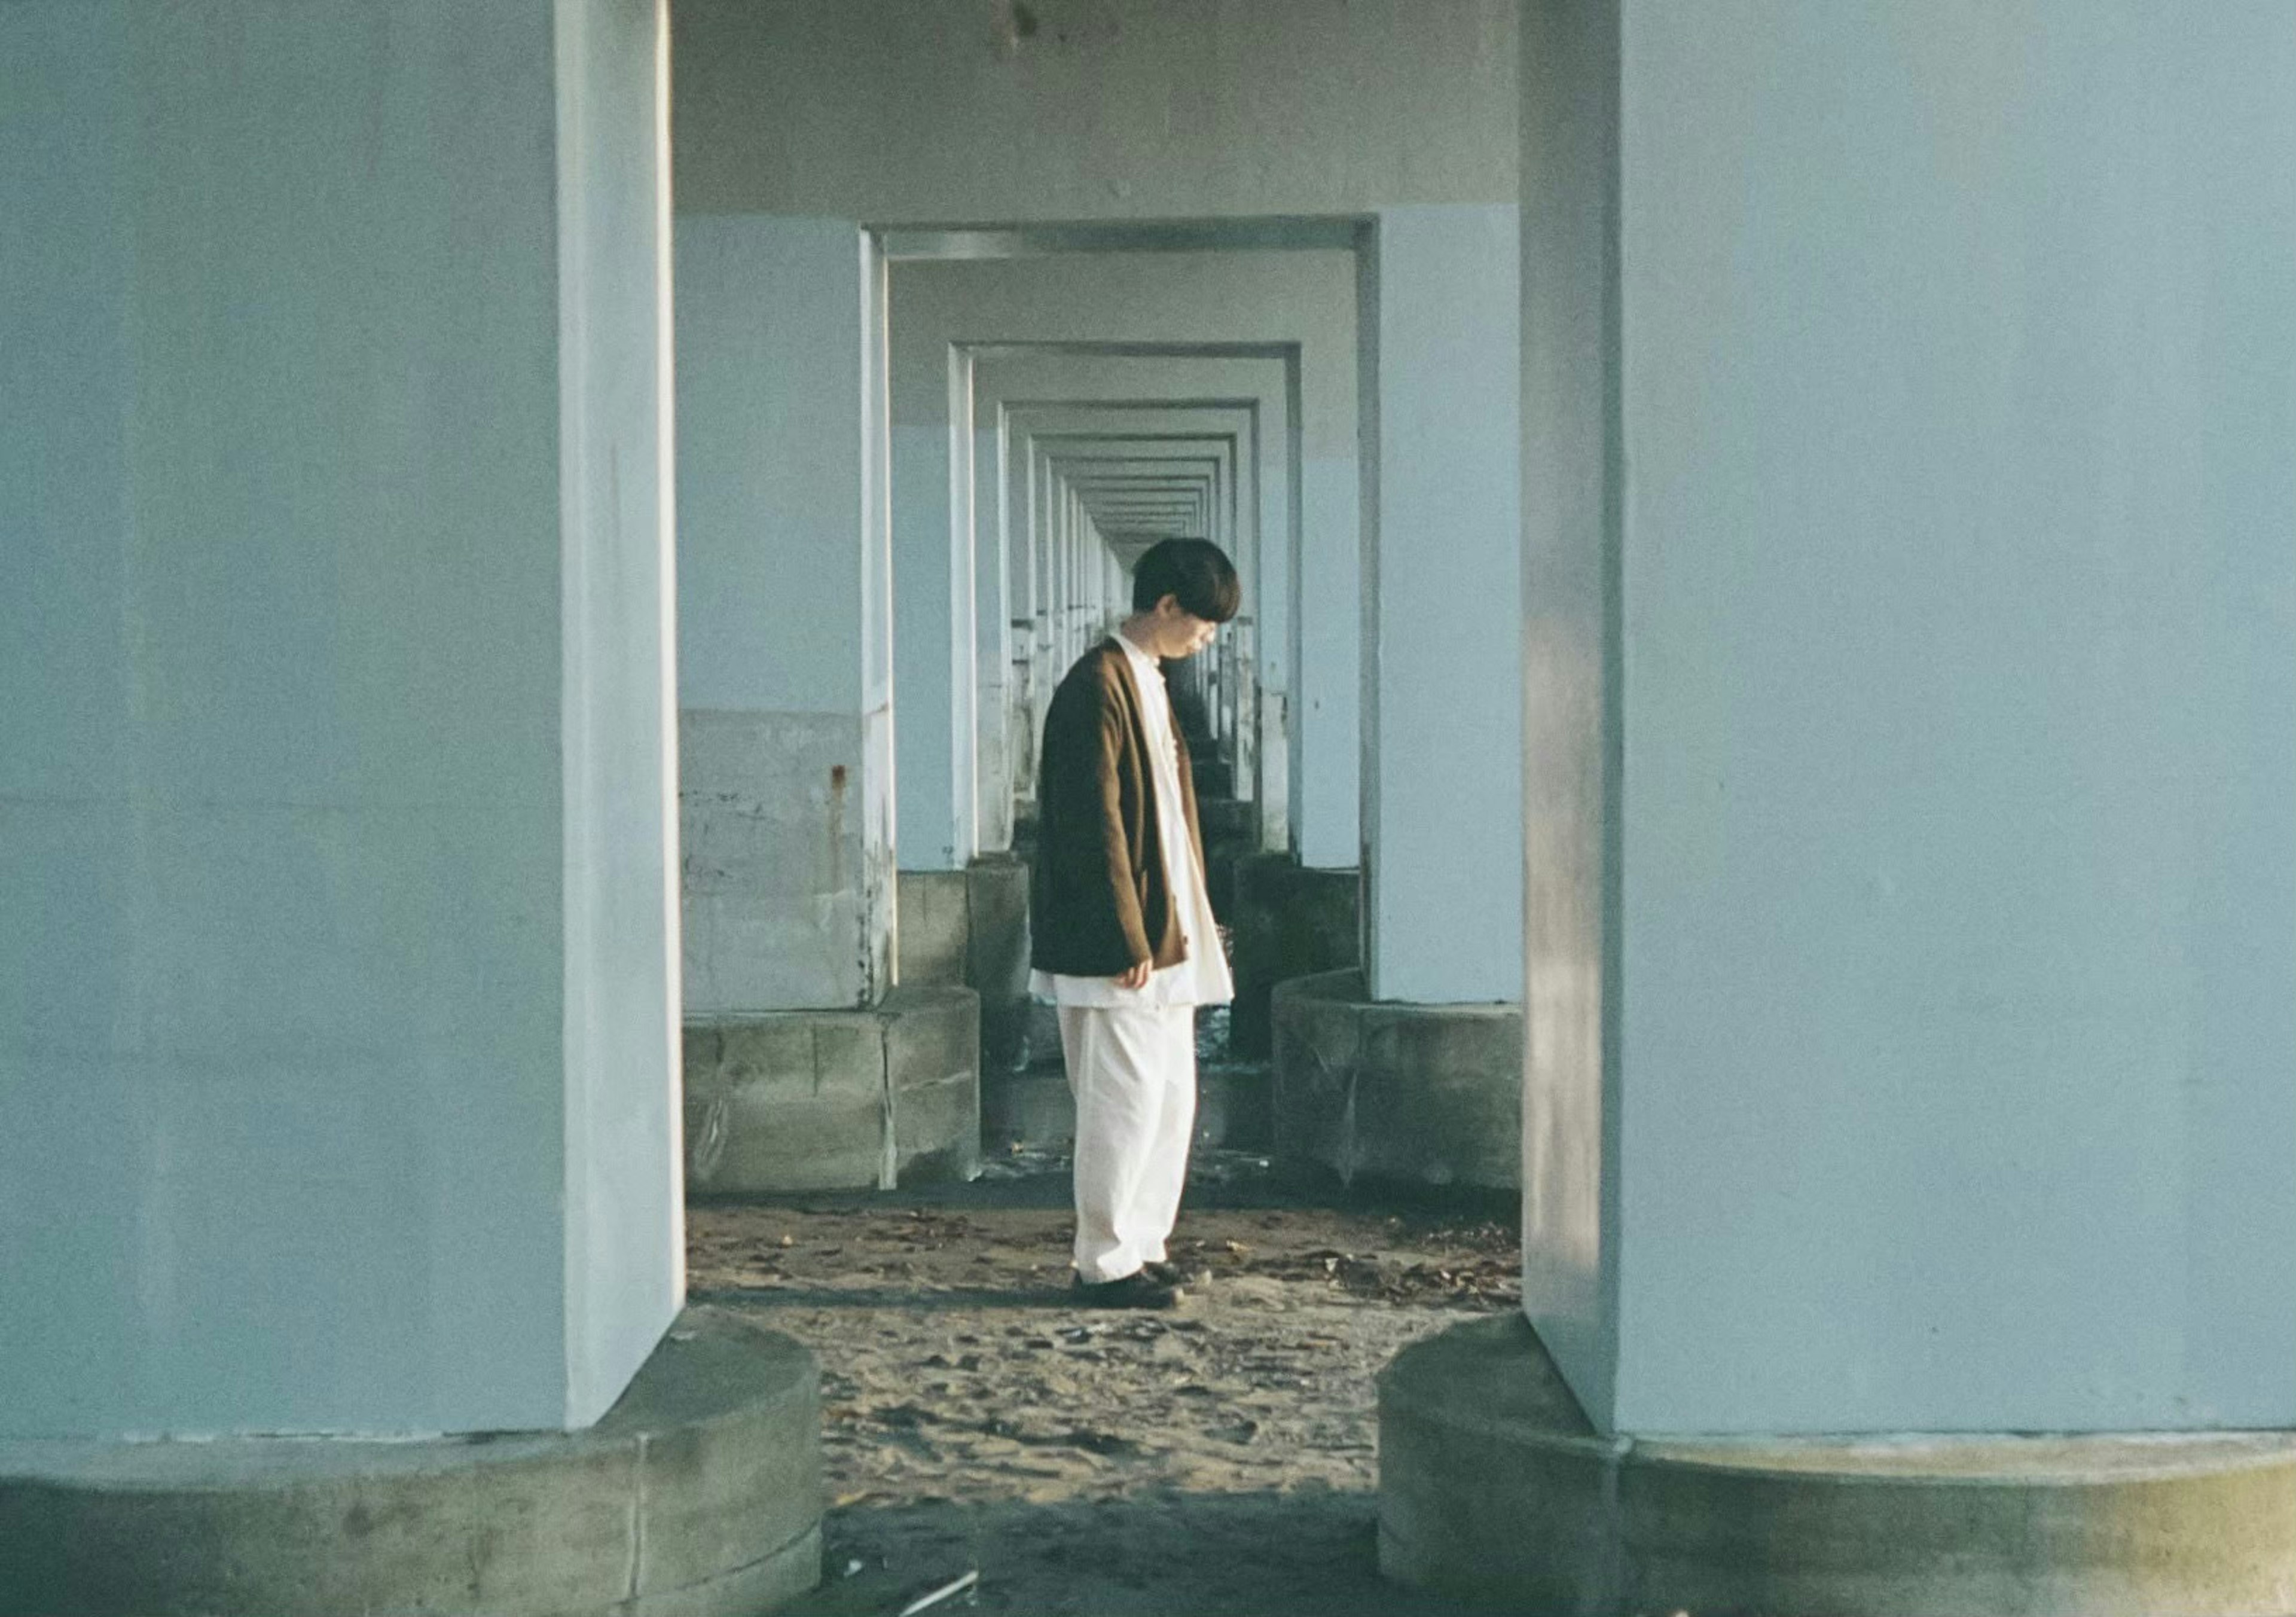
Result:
x=1180 y=634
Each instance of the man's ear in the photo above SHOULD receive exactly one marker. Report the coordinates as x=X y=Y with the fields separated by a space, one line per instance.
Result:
x=1167 y=607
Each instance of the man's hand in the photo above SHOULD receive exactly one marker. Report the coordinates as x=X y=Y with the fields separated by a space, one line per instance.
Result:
x=1137 y=976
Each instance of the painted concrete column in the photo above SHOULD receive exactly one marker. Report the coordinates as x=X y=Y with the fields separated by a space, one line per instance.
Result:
x=1909 y=789
x=996 y=687
x=1326 y=654
x=338 y=987
x=806 y=1067
x=1442 y=763
x=785 y=664
x=935 y=635
x=1410 y=1067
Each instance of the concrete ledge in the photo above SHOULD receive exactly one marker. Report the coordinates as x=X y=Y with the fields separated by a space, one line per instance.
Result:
x=1493 y=1486
x=1289 y=921
x=835 y=1100
x=699 y=1495
x=1422 y=1094
x=970 y=927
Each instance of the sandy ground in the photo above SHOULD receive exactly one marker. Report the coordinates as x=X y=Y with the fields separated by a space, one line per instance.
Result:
x=1214 y=1461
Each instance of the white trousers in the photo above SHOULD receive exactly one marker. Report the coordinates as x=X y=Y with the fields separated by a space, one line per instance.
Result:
x=1133 y=1072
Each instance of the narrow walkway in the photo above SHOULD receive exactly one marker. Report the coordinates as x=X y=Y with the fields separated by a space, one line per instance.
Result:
x=1215 y=1461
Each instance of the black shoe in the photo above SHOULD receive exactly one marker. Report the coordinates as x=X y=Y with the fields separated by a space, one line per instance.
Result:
x=1136 y=1290
x=1170 y=1274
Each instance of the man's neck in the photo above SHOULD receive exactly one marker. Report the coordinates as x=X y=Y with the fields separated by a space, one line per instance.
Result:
x=1140 y=631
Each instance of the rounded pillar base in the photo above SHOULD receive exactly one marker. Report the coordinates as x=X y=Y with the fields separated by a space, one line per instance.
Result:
x=699 y=1495
x=1289 y=921
x=1427 y=1096
x=1494 y=1486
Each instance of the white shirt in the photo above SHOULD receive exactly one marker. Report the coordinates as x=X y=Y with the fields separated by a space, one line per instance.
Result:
x=1202 y=977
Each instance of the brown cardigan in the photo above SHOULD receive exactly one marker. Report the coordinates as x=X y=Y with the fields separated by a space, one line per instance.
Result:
x=1100 y=899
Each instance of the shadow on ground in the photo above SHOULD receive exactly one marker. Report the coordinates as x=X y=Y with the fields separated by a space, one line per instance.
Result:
x=1165 y=1553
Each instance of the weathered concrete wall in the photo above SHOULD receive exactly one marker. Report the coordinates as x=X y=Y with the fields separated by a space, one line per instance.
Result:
x=784 y=672
x=919 y=111
x=335 y=987
x=1944 y=928
x=777 y=865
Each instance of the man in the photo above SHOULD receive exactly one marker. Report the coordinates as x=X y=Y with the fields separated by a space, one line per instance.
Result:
x=1123 y=938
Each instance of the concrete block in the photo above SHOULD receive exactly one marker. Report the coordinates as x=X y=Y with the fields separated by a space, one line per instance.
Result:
x=998 y=958
x=1404 y=1093
x=935 y=929
x=970 y=927
x=1289 y=921
x=932 y=1051
x=795 y=1101
x=699 y=1495
x=835 y=1100
x=1493 y=1487
x=1027 y=1108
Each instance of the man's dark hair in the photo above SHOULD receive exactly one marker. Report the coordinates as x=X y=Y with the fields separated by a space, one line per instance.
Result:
x=1196 y=572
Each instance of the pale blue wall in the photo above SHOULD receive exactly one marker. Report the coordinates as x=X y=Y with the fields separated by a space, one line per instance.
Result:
x=771 y=482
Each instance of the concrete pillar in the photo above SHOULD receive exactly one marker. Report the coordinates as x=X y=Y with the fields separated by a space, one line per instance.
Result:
x=1907 y=801
x=1899 y=865
x=786 y=683
x=1412 y=1067
x=337 y=990
x=935 y=635
x=1325 y=653
x=1443 y=698
x=785 y=665
x=994 y=612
